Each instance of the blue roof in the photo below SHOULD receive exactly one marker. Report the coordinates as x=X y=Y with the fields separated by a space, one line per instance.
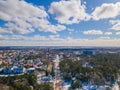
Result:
x=14 y=71
x=17 y=70
x=7 y=71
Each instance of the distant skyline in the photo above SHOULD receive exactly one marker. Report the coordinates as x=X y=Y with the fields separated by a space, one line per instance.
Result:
x=60 y=23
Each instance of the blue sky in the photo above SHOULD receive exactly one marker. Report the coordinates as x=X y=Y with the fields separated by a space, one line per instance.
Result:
x=59 y=22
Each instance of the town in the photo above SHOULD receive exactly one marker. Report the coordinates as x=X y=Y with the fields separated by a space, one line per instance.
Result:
x=60 y=67
x=59 y=44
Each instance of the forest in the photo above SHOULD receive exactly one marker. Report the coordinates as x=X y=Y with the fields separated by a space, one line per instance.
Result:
x=23 y=82
x=105 y=70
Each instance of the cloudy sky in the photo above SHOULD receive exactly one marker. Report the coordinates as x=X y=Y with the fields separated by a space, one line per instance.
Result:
x=59 y=22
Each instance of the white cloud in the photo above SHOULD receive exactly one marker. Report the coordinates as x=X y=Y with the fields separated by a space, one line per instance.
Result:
x=10 y=9
x=56 y=41
x=117 y=33
x=108 y=33
x=107 y=10
x=116 y=24
x=71 y=30
x=114 y=21
x=104 y=37
x=93 y=32
x=68 y=11
x=23 y=17
x=33 y=38
x=2 y=30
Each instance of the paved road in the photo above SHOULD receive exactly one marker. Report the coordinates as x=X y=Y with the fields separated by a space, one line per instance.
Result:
x=57 y=74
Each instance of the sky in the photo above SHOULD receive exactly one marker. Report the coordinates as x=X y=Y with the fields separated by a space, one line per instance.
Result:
x=60 y=23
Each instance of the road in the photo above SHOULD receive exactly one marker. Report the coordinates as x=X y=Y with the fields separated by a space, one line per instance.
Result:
x=57 y=74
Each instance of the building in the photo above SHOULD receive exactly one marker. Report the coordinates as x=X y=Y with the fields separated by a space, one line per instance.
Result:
x=7 y=71
x=18 y=70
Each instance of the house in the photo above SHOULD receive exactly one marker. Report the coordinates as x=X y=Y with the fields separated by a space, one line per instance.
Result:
x=17 y=70
x=30 y=63
x=88 y=65
x=15 y=63
x=7 y=71
x=30 y=70
x=44 y=79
